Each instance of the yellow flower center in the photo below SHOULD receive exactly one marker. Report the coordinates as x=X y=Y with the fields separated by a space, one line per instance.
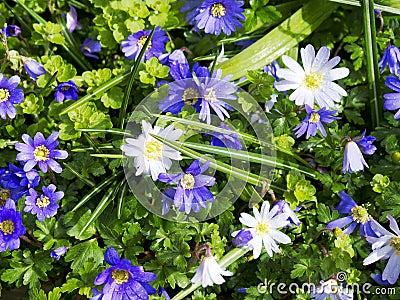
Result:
x=313 y=81
x=4 y=95
x=187 y=181
x=190 y=96
x=87 y=49
x=211 y=95
x=43 y=201
x=263 y=229
x=7 y=227
x=4 y=196
x=314 y=117
x=153 y=149
x=120 y=276
x=395 y=244
x=218 y=10
x=41 y=153
x=65 y=88
x=360 y=214
x=333 y=284
x=142 y=40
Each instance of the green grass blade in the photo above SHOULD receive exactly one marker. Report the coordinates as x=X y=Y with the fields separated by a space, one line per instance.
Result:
x=390 y=6
x=79 y=175
x=111 y=130
x=105 y=155
x=94 y=145
x=121 y=200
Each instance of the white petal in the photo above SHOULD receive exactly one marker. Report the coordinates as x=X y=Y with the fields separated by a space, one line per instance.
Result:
x=377 y=255
x=286 y=85
x=338 y=73
x=247 y=220
x=292 y=65
x=289 y=75
x=280 y=237
x=320 y=59
x=265 y=210
x=307 y=57
x=256 y=245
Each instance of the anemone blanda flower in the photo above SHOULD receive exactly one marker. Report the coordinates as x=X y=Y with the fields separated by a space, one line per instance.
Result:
x=72 y=19
x=241 y=238
x=353 y=159
x=365 y=143
x=215 y=16
x=284 y=207
x=177 y=63
x=11 y=227
x=90 y=46
x=40 y=151
x=391 y=57
x=386 y=246
x=11 y=30
x=226 y=140
x=358 y=214
x=34 y=68
x=43 y=206
x=9 y=96
x=313 y=122
x=272 y=69
x=191 y=7
x=314 y=82
x=332 y=290
x=392 y=100
x=58 y=252
x=378 y=279
x=66 y=90
x=151 y=155
x=263 y=228
x=191 y=192
x=124 y=281
x=167 y=200
x=135 y=42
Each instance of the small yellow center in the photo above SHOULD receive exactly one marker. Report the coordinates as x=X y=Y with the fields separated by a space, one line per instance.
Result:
x=190 y=96
x=4 y=196
x=153 y=149
x=65 y=88
x=4 y=95
x=187 y=181
x=395 y=244
x=313 y=81
x=218 y=10
x=142 y=40
x=263 y=229
x=43 y=201
x=7 y=227
x=120 y=276
x=210 y=96
x=314 y=117
x=360 y=214
x=333 y=284
x=87 y=49
x=41 y=153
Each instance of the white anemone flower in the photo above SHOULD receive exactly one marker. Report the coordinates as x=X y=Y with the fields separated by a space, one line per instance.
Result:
x=314 y=82
x=209 y=272
x=263 y=228
x=152 y=156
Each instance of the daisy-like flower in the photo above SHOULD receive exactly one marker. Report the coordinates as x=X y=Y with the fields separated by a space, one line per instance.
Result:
x=72 y=19
x=192 y=192
x=135 y=42
x=34 y=68
x=9 y=96
x=358 y=214
x=43 y=206
x=241 y=238
x=387 y=246
x=315 y=81
x=263 y=228
x=284 y=207
x=66 y=90
x=11 y=227
x=124 y=281
x=151 y=155
x=209 y=271
x=40 y=151
x=215 y=16
x=90 y=46
x=353 y=159
x=58 y=252
x=313 y=122
x=331 y=289
x=11 y=30
x=391 y=57
x=231 y=141
x=392 y=100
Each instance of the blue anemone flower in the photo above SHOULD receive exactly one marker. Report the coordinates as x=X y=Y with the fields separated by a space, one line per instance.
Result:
x=241 y=237
x=284 y=207
x=66 y=90
x=225 y=140
x=11 y=227
x=391 y=57
x=11 y=30
x=34 y=68
x=71 y=19
x=191 y=7
x=365 y=143
x=58 y=252
x=177 y=63
x=90 y=46
x=392 y=100
x=191 y=193
x=9 y=96
x=122 y=280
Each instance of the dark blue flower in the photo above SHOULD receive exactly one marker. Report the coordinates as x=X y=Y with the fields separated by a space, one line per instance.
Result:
x=177 y=63
x=90 y=46
x=284 y=207
x=58 y=252
x=217 y=15
x=191 y=193
x=313 y=122
x=135 y=42
x=358 y=214
x=66 y=90
x=391 y=57
x=392 y=100
x=40 y=151
x=11 y=30
x=365 y=143
x=162 y=291
x=34 y=68
x=167 y=200
x=43 y=206
x=272 y=69
x=231 y=141
x=191 y=8
x=72 y=19
x=9 y=96
x=378 y=279
x=242 y=290
x=11 y=227
x=241 y=238
x=122 y=280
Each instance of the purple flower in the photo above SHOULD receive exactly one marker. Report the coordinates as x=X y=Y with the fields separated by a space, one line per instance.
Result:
x=231 y=141
x=9 y=96
x=11 y=30
x=135 y=42
x=391 y=57
x=353 y=159
x=191 y=193
x=90 y=46
x=44 y=206
x=72 y=18
x=216 y=15
x=162 y=291
x=11 y=227
x=58 y=252
x=313 y=122
x=167 y=200
x=365 y=143
x=66 y=90
x=284 y=207
x=331 y=289
x=124 y=281
x=177 y=63
x=392 y=100
x=358 y=214
x=40 y=151
x=34 y=68
x=245 y=43
x=272 y=69
x=241 y=238
x=190 y=7
x=378 y=279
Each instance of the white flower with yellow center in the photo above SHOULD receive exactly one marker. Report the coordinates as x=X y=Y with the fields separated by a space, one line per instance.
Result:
x=313 y=81
x=151 y=155
x=263 y=228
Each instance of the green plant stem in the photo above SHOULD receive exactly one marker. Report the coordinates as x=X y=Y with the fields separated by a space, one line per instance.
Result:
x=391 y=6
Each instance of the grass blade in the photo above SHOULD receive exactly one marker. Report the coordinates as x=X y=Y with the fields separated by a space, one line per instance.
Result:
x=121 y=200
x=79 y=175
x=390 y=6
x=105 y=155
x=112 y=130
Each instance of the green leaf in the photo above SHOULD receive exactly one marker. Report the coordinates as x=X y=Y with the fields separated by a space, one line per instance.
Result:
x=83 y=252
x=76 y=230
x=113 y=98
